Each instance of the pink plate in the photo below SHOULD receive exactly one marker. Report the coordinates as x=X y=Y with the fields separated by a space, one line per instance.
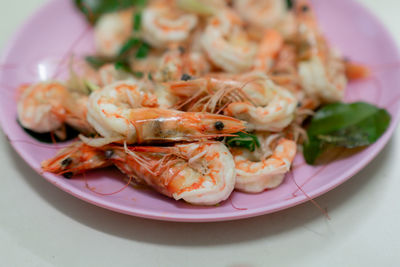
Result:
x=40 y=49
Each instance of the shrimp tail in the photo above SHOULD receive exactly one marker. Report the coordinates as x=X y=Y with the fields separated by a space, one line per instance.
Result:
x=356 y=71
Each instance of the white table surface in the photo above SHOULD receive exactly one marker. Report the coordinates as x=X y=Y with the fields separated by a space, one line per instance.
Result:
x=41 y=225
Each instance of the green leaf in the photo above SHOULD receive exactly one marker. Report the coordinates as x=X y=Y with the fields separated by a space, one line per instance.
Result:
x=345 y=125
x=122 y=60
x=243 y=140
x=123 y=65
x=289 y=4
x=132 y=47
x=138 y=74
x=312 y=150
x=137 y=22
x=334 y=117
x=128 y=46
x=140 y=3
x=142 y=51
x=94 y=9
x=97 y=62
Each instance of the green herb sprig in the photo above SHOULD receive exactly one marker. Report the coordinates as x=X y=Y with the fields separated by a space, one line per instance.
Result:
x=93 y=10
x=289 y=4
x=243 y=140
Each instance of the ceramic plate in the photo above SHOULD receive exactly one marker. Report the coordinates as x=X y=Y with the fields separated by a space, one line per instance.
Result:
x=39 y=51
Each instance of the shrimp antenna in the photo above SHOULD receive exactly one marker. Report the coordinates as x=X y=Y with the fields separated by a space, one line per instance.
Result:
x=107 y=194
x=309 y=198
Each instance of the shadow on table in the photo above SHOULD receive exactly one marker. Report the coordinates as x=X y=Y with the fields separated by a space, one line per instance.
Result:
x=197 y=234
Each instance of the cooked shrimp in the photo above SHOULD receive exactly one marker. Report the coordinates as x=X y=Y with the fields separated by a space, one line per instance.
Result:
x=356 y=71
x=163 y=24
x=260 y=170
x=112 y=31
x=37 y=105
x=109 y=74
x=148 y=65
x=45 y=107
x=261 y=13
x=322 y=70
x=269 y=49
x=324 y=82
x=199 y=71
x=199 y=173
x=287 y=26
x=284 y=71
x=75 y=107
x=227 y=44
x=253 y=98
x=175 y=63
x=272 y=107
x=129 y=112
x=75 y=159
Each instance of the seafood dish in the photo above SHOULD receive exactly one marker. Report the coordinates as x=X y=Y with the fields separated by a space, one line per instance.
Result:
x=195 y=99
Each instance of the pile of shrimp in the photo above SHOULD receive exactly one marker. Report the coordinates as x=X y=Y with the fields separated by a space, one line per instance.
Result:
x=255 y=66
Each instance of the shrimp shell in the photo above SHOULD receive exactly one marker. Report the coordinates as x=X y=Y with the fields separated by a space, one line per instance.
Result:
x=129 y=111
x=198 y=173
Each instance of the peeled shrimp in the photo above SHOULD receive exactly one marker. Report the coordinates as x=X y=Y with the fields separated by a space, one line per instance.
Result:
x=46 y=106
x=324 y=82
x=272 y=107
x=112 y=31
x=269 y=49
x=257 y=172
x=284 y=70
x=126 y=111
x=37 y=107
x=175 y=63
x=227 y=44
x=261 y=13
x=163 y=24
x=109 y=74
x=322 y=70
